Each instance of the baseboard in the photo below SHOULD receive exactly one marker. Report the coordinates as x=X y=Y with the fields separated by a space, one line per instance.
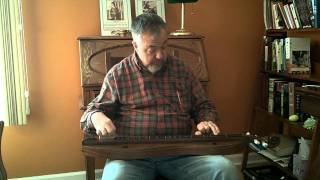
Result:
x=79 y=175
x=253 y=158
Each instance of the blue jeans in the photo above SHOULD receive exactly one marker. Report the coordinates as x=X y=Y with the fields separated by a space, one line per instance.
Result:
x=175 y=168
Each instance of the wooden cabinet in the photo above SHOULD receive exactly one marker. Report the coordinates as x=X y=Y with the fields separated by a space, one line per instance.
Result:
x=99 y=54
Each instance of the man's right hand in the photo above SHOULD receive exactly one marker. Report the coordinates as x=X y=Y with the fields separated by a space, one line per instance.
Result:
x=102 y=124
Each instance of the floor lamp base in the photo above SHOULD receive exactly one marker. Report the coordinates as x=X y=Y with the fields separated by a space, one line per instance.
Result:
x=181 y=32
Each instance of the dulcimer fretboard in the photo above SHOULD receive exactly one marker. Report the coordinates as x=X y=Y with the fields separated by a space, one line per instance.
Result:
x=102 y=140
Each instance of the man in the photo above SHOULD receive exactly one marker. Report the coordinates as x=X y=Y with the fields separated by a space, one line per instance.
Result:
x=151 y=93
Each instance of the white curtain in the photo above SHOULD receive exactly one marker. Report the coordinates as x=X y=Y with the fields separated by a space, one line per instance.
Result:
x=14 y=94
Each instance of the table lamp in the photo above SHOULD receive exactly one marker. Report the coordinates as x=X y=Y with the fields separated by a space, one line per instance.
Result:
x=181 y=31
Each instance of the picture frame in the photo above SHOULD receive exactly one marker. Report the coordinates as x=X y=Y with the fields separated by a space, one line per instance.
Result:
x=153 y=6
x=115 y=17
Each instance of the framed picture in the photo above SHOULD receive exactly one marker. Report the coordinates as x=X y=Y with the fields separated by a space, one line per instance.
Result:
x=151 y=6
x=115 y=16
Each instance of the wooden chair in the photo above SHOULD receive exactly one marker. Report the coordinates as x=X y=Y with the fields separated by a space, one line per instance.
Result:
x=3 y=173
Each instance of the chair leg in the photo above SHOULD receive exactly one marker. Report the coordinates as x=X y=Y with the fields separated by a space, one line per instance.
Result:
x=3 y=173
x=90 y=167
x=245 y=158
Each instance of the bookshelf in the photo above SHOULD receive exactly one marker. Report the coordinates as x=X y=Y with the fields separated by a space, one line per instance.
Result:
x=280 y=93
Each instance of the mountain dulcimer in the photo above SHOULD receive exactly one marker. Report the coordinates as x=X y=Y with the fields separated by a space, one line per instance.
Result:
x=137 y=147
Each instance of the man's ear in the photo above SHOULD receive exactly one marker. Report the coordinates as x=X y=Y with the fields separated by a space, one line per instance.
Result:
x=134 y=44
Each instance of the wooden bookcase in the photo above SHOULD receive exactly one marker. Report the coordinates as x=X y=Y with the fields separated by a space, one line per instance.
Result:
x=266 y=123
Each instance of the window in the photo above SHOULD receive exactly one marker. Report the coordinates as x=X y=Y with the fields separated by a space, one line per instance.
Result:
x=14 y=101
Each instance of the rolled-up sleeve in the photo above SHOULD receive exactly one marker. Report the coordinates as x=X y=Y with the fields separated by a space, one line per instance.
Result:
x=106 y=102
x=203 y=109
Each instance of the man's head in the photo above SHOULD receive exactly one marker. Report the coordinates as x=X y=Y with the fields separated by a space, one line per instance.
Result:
x=149 y=40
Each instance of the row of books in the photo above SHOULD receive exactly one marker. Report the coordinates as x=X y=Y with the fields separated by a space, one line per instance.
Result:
x=291 y=14
x=282 y=99
x=291 y=54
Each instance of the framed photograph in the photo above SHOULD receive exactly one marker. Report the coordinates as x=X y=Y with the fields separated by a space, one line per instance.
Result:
x=115 y=16
x=151 y=6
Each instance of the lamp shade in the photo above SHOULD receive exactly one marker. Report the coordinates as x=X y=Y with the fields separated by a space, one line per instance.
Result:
x=181 y=1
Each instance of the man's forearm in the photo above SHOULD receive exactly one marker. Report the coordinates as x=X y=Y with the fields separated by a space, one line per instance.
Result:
x=86 y=119
x=207 y=112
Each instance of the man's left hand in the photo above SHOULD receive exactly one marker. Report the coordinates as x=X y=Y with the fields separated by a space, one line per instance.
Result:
x=207 y=127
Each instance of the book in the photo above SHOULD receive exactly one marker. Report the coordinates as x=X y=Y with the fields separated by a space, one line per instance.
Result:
x=285 y=100
x=311 y=15
x=295 y=16
x=278 y=97
x=291 y=98
x=271 y=91
x=303 y=12
x=267 y=14
x=289 y=15
x=277 y=20
x=297 y=52
x=267 y=42
x=283 y=14
x=315 y=4
x=274 y=98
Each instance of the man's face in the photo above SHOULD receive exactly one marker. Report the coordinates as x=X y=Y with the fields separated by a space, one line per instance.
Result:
x=151 y=49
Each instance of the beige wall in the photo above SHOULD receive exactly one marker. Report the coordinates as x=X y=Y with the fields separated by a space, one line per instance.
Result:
x=50 y=143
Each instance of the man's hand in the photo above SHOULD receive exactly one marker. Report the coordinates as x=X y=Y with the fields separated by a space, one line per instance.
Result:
x=207 y=127
x=102 y=124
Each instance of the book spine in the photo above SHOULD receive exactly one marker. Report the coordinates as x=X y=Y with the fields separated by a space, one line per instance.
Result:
x=283 y=14
x=294 y=15
x=302 y=9
x=298 y=107
x=285 y=107
x=266 y=51
x=271 y=88
x=290 y=18
x=274 y=59
x=311 y=13
x=316 y=12
x=277 y=54
x=267 y=14
x=277 y=98
x=291 y=98
x=287 y=53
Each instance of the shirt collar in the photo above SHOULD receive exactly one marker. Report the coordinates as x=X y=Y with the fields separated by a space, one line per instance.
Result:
x=137 y=61
x=141 y=67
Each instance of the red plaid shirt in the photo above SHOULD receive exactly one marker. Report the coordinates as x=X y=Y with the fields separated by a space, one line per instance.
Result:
x=144 y=104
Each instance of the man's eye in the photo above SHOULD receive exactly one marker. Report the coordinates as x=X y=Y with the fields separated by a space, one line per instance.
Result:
x=151 y=50
x=164 y=46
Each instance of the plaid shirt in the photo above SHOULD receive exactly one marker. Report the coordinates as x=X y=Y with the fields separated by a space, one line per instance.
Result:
x=144 y=104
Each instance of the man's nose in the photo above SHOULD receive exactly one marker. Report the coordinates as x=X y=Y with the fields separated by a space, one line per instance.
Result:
x=160 y=54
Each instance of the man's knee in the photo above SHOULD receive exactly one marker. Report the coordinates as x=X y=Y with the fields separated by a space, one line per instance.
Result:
x=223 y=162
x=223 y=168
x=112 y=169
x=123 y=170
